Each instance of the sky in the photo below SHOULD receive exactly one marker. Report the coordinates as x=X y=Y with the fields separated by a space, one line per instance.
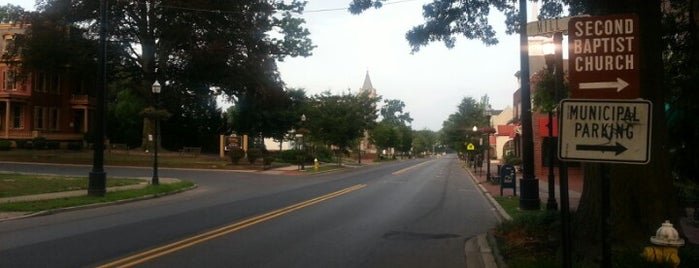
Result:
x=431 y=82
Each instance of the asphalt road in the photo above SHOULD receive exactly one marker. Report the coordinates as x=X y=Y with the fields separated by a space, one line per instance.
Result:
x=415 y=213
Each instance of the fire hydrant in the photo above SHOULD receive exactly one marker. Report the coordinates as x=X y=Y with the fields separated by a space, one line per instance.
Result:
x=667 y=240
x=316 y=164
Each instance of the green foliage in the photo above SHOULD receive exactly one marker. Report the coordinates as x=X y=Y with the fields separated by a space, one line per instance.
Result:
x=511 y=159
x=5 y=145
x=424 y=141
x=75 y=146
x=236 y=154
x=253 y=154
x=340 y=120
x=528 y=240
x=324 y=154
x=39 y=143
x=53 y=145
x=11 y=13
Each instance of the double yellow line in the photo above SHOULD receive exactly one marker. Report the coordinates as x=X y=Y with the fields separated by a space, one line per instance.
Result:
x=200 y=238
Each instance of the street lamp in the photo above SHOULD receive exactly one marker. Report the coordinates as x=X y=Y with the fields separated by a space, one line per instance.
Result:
x=155 y=88
x=488 y=113
x=303 y=145
x=550 y=57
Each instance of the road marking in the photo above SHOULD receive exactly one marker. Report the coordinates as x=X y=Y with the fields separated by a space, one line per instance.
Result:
x=409 y=168
x=203 y=237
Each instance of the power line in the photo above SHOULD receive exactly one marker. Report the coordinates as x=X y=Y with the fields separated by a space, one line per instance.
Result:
x=218 y=11
x=345 y=8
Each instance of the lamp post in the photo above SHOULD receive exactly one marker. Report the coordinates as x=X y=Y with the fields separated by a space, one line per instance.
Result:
x=97 y=184
x=529 y=184
x=155 y=88
x=550 y=57
x=488 y=113
x=303 y=144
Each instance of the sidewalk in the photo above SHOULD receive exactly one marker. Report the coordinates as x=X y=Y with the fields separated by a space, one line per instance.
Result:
x=575 y=185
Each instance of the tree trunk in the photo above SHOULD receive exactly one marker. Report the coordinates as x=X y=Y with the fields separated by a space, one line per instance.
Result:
x=642 y=196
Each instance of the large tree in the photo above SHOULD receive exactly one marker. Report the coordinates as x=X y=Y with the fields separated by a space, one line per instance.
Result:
x=340 y=120
x=195 y=49
x=643 y=194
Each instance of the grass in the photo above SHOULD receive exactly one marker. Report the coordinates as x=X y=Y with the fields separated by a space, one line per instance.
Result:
x=41 y=205
x=14 y=184
x=531 y=239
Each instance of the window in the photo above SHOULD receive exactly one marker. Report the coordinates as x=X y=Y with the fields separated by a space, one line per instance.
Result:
x=39 y=118
x=40 y=82
x=53 y=118
x=9 y=78
x=17 y=117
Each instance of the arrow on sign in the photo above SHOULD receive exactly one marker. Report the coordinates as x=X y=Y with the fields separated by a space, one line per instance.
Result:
x=619 y=84
x=618 y=148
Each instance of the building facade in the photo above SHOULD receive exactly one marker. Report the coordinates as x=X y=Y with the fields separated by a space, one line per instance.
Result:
x=54 y=106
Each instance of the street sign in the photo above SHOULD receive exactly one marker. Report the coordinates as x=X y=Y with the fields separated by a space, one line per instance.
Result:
x=470 y=147
x=616 y=131
x=549 y=26
x=603 y=57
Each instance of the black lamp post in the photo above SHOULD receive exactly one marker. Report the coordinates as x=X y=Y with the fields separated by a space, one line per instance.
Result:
x=488 y=113
x=303 y=144
x=155 y=88
x=97 y=184
x=551 y=204
x=529 y=184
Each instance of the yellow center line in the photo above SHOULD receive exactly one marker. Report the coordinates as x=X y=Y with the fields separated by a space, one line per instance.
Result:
x=203 y=237
x=409 y=168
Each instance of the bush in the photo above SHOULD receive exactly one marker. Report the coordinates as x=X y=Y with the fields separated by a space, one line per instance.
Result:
x=53 y=145
x=236 y=154
x=323 y=154
x=254 y=154
x=5 y=145
x=39 y=143
x=75 y=146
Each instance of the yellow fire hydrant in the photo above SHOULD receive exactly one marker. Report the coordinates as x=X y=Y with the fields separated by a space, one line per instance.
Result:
x=316 y=164
x=667 y=240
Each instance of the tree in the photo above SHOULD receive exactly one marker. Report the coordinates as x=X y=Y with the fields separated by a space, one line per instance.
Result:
x=393 y=131
x=457 y=129
x=340 y=120
x=424 y=141
x=634 y=216
x=196 y=49
x=10 y=13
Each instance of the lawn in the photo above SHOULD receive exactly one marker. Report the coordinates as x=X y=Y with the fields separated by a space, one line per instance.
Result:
x=14 y=184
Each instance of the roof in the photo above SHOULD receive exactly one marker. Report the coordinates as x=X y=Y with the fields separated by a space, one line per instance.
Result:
x=367 y=83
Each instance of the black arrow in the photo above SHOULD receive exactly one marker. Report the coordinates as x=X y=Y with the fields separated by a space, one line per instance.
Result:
x=618 y=148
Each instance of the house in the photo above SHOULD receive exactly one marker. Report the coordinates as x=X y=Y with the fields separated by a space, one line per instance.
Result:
x=55 y=106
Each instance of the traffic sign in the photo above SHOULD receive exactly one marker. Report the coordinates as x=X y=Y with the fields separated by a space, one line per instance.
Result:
x=603 y=57
x=616 y=131
x=470 y=147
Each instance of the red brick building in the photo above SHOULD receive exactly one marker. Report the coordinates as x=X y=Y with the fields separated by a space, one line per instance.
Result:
x=40 y=104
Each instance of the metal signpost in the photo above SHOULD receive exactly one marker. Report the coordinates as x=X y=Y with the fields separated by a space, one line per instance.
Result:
x=605 y=122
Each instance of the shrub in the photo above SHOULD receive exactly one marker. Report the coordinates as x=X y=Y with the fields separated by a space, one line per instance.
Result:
x=5 y=145
x=53 y=145
x=75 y=146
x=254 y=154
x=236 y=154
x=39 y=143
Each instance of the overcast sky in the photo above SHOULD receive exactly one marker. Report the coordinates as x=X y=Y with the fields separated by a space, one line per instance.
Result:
x=431 y=82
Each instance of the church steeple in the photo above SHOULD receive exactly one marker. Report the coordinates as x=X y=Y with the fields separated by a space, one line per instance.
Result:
x=367 y=86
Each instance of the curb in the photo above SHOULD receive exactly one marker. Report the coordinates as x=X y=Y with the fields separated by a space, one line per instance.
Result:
x=477 y=249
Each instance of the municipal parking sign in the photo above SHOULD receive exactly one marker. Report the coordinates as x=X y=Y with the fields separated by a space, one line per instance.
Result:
x=615 y=131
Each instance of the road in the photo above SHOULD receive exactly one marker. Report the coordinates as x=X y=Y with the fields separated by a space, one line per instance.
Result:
x=415 y=213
